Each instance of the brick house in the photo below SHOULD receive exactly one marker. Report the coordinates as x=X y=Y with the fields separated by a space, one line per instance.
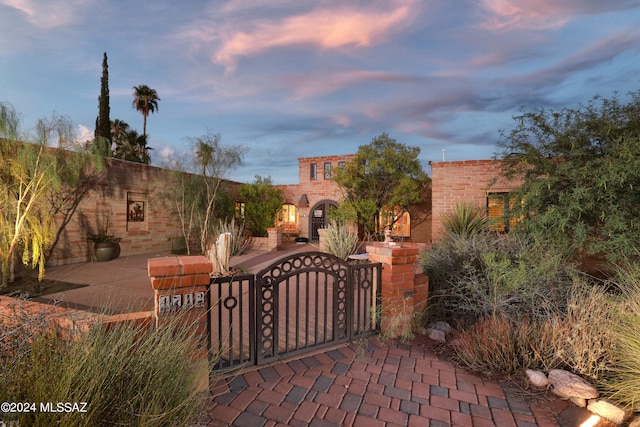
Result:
x=471 y=181
x=308 y=202
x=128 y=197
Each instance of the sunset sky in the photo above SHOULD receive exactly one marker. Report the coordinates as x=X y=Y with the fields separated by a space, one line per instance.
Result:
x=293 y=78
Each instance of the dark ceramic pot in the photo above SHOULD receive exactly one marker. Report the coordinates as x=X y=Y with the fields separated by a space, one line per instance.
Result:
x=104 y=251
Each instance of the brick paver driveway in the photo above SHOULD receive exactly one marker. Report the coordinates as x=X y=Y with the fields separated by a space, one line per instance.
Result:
x=370 y=384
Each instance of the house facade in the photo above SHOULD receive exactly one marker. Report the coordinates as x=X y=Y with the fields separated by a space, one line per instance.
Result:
x=308 y=203
x=128 y=201
x=472 y=181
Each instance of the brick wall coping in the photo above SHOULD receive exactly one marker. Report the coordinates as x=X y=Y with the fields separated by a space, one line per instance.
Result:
x=11 y=310
x=465 y=162
x=178 y=266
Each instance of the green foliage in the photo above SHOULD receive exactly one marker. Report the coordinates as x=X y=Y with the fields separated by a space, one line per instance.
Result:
x=262 y=203
x=383 y=174
x=145 y=100
x=103 y=123
x=128 y=144
x=195 y=194
x=465 y=220
x=38 y=182
x=127 y=374
x=484 y=274
x=340 y=240
x=581 y=173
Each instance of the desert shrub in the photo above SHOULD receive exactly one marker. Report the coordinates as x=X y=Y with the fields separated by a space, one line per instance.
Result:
x=625 y=381
x=340 y=240
x=496 y=345
x=465 y=220
x=474 y=276
x=128 y=375
x=240 y=238
x=578 y=339
x=586 y=343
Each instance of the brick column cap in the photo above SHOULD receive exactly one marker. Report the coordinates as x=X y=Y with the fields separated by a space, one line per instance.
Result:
x=178 y=266
x=392 y=251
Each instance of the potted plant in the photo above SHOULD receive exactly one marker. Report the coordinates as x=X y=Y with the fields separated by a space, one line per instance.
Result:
x=106 y=246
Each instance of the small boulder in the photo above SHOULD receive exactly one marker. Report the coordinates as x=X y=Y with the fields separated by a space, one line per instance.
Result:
x=436 y=335
x=537 y=378
x=607 y=409
x=635 y=422
x=441 y=326
x=566 y=385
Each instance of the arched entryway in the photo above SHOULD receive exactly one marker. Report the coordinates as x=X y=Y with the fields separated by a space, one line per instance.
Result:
x=319 y=217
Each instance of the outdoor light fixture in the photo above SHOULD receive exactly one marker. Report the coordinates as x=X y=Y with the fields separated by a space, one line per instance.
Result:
x=303 y=202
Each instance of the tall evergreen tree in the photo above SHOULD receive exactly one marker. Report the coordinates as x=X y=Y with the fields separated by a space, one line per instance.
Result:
x=103 y=123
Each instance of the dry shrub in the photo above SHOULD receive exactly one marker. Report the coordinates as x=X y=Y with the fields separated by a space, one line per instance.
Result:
x=579 y=339
x=625 y=381
x=127 y=374
x=495 y=345
x=586 y=343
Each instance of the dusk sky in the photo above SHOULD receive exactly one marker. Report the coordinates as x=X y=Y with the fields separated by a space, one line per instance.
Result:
x=292 y=78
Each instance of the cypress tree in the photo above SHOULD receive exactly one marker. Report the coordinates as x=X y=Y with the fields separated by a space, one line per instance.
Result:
x=103 y=123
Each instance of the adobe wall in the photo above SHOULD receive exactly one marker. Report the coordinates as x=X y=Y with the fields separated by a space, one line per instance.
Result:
x=467 y=180
x=123 y=186
x=108 y=203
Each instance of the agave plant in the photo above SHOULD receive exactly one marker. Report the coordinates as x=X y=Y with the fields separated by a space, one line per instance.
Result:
x=465 y=220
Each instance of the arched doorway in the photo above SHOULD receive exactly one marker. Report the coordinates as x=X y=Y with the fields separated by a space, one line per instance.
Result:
x=319 y=218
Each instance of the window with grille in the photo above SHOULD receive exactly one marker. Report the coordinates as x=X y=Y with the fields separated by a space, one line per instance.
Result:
x=313 y=171
x=500 y=207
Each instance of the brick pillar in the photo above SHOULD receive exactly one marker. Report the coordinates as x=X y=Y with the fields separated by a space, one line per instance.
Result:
x=275 y=239
x=180 y=284
x=398 y=287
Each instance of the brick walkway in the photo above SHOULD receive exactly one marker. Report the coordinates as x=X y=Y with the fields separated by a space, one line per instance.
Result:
x=370 y=384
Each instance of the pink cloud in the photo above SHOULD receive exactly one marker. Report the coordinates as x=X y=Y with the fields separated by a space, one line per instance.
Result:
x=525 y=14
x=324 y=28
x=50 y=14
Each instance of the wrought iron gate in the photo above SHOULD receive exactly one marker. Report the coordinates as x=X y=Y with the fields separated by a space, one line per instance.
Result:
x=301 y=302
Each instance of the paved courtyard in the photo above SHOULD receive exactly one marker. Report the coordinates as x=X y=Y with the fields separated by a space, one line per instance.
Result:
x=373 y=384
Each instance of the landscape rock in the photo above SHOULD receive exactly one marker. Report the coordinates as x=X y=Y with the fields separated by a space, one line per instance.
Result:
x=436 y=335
x=566 y=385
x=537 y=378
x=607 y=409
x=441 y=326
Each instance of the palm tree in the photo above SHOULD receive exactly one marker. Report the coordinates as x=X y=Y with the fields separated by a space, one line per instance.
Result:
x=204 y=151
x=119 y=131
x=145 y=100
